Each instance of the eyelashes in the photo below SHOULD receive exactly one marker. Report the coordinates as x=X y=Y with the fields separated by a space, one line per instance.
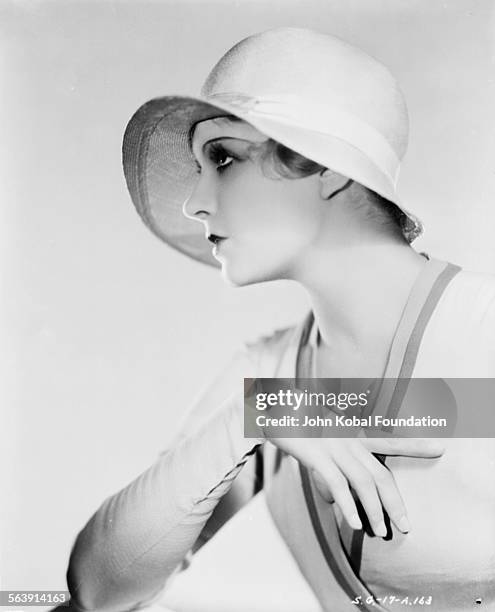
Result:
x=220 y=157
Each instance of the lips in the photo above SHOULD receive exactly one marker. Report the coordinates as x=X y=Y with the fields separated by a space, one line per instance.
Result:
x=215 y=238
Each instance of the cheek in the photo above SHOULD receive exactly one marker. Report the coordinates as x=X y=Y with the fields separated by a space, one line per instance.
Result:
x=279 y=241
x=263 y=210
x=272 y=222
x=268 y=244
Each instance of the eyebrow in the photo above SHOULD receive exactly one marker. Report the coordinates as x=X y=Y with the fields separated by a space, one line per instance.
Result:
x=224 y=138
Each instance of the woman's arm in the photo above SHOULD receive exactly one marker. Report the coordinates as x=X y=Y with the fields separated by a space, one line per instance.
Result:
x=140 y=535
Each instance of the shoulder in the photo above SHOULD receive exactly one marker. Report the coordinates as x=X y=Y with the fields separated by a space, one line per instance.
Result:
x=273 y=342
x=460 y=336
x=254 y=358
x=267 y=352
x=469 y=300
x=474 y=288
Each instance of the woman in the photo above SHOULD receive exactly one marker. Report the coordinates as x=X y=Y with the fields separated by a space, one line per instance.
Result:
x=288 y=165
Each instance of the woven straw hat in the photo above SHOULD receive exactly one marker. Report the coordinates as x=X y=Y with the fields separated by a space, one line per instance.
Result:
x=312 y=92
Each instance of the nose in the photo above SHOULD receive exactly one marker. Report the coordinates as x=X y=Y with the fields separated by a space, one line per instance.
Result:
x=201 y=203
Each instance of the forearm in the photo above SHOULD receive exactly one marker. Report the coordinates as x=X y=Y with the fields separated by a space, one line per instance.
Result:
x=137 y=538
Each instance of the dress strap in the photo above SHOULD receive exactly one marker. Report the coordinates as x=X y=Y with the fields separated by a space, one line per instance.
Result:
x=421 y=303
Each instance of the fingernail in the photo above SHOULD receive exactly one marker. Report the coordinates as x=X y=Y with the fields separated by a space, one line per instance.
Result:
x=355 y=521
x=404 y=525
x=380 y=529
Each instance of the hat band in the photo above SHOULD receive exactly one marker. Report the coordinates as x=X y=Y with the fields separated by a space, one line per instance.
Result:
x=325 y=119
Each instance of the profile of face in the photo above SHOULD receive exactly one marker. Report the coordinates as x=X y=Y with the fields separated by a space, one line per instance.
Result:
x=266 y=223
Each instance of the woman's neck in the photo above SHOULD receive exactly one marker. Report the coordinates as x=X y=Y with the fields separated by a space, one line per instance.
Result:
x=358 y=295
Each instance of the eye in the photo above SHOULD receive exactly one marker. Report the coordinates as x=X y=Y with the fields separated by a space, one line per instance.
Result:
x=220 y=157
x=224 y=161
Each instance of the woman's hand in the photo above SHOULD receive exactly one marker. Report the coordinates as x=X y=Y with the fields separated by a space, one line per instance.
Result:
x=336 y=463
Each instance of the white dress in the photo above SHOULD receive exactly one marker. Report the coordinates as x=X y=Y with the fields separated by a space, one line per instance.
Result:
x=287 y=549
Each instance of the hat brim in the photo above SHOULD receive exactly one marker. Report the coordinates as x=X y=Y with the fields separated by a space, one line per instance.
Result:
x=160 y=169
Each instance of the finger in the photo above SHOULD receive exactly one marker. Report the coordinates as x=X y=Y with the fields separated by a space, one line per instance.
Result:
x=339 y=490
x=364 y=485
x=407 y=447
x=388 y=491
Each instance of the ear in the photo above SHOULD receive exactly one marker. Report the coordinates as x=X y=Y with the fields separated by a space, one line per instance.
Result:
x=331 y=183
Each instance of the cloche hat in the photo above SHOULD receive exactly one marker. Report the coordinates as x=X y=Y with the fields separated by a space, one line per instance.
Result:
x=309 y=91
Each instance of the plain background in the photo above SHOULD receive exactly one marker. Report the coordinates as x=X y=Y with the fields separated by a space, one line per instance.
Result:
x=106 y=333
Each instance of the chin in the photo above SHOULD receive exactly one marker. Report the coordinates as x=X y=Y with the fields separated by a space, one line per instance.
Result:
x=242 y=276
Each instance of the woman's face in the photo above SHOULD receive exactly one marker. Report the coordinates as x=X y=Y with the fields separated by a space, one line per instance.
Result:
x=266 y=223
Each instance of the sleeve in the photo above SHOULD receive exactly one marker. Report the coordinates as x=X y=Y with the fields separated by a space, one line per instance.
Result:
x=139 y=536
